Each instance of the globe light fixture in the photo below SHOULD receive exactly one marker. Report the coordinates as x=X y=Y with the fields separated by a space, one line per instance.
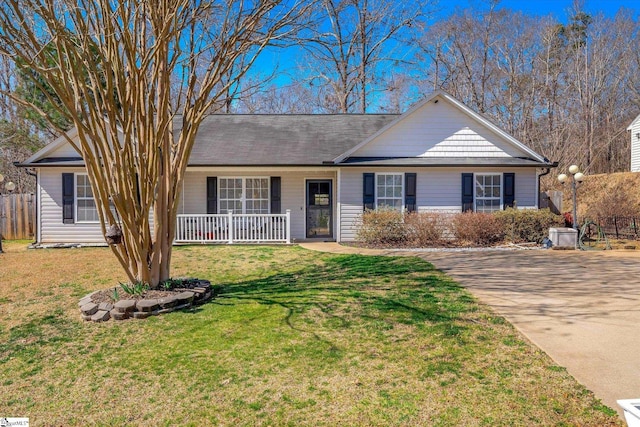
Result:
x=576 y=178
x=562 y=178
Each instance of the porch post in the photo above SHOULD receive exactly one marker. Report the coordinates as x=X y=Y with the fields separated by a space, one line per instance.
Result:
x=230 y=225
x=288 y=213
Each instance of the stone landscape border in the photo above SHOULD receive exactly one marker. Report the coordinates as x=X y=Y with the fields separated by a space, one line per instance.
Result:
x=179 y=299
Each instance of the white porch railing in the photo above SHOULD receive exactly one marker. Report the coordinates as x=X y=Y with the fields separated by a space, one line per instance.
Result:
x=233 y=228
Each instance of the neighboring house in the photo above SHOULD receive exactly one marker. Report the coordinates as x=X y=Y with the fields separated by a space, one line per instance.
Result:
x=634 y=127
x=296 y=177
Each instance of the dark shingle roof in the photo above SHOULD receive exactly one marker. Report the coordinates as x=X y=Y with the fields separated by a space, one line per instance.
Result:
x=235 y=140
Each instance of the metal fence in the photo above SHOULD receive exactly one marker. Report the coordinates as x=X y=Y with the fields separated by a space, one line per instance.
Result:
x=620 y=227
x=17 y=216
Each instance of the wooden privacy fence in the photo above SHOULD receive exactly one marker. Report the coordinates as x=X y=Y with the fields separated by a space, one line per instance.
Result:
x=17 y=216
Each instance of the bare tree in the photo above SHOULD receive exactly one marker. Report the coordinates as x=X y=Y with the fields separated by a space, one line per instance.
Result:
x=350 y=43
x=567 y=90
x=113 y=66
x=292 y=98
x=462 y=51
x=19 y=138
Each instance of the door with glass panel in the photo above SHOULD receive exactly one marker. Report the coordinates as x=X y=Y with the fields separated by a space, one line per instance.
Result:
x=319 y=209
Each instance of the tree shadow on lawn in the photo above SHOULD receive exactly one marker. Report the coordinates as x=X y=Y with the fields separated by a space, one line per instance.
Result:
x=359 y=289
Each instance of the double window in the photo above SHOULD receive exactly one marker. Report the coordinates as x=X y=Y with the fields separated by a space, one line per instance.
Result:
x=244 y=195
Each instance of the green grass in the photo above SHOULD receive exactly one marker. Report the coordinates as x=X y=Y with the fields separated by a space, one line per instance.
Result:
x=295 y=338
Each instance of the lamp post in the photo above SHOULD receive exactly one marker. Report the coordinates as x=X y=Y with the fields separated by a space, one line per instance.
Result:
x=577 y=178
x=9 y=186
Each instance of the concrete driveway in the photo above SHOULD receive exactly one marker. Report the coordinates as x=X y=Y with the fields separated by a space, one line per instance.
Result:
x=581 y=308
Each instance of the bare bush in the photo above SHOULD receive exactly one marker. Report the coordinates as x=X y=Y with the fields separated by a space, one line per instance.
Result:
x=382 y=227
x=425 y=229
x=528 y=225
x=477 y=229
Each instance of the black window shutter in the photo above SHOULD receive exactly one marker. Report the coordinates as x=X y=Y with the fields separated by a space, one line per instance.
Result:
x=369 y=190
x=67 y=198
x=276 y=195
x=509 y=192
x=467 y=192
x=212 y=195
x=410 y=191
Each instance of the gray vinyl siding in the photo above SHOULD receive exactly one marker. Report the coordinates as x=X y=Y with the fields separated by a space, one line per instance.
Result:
x=52 y=229
x=194 y=199
x=350 y=203
x=50 y=208
x=438 y=190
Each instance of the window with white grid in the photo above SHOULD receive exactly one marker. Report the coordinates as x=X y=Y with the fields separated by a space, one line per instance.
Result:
x=86 y=210
x=256 y=195
x=488 y=192
x=244 y=195
x=389 y=190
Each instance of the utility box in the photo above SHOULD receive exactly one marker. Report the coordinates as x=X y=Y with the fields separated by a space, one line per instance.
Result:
x=563 y=237
x=631 y=411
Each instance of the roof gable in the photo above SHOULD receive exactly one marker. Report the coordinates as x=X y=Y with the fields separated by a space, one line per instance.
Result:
x=58 y=148
x=441 y=127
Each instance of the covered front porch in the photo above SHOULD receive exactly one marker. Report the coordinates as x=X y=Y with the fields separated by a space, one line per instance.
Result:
x=250 y=205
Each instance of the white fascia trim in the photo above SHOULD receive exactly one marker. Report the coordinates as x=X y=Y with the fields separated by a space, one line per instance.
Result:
x=52 y=146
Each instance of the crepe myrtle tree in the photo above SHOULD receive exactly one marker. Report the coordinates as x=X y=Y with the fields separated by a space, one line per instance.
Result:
x=122 y=72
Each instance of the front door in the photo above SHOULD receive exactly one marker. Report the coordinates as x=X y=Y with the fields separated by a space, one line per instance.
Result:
x=319 y=208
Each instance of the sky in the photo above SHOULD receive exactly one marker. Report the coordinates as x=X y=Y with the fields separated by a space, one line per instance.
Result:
x=559 y=8
x=285 y=60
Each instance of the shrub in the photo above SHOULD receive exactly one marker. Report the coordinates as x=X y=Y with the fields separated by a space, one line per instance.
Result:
x=529 y=225
x=382 y=227
x=424 y=229
x=477 y=229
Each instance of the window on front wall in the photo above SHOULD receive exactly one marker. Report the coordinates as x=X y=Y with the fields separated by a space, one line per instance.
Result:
x=488 y=192
x=244 y=195
x=85 y=204
x=389 y=190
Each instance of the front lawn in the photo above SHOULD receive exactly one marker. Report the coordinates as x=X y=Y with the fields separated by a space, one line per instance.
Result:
x=295 y=338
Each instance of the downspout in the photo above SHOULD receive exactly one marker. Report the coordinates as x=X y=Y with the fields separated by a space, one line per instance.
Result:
x=548 y=170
